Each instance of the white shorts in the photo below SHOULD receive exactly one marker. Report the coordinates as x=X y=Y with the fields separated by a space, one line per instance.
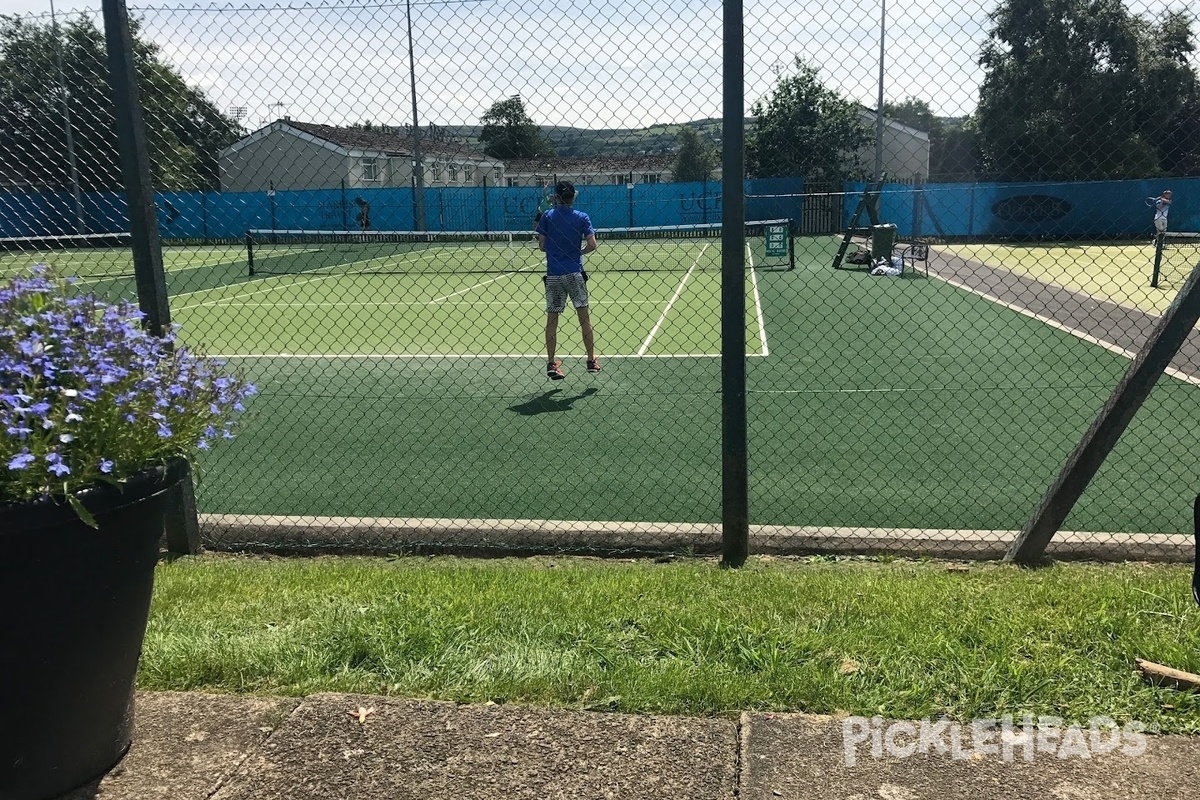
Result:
x=1160 y=224
x=559 y=287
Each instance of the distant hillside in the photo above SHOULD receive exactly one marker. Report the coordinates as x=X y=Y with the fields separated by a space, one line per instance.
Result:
x=584 y=143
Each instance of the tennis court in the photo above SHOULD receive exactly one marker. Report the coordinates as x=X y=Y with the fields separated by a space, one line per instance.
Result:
x=461 y=299
x=1118 y=271
x=394 y=391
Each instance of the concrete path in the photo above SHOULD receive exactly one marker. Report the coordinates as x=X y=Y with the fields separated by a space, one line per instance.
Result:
x=208 y=747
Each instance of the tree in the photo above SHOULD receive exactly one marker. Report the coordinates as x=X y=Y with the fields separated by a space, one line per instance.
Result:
x=952 y=152
x=694 y=161
x=1081 y=90
x=184 y=131
x=508 y=132
x=914 y=113
x=805 y=129
x=956 y=157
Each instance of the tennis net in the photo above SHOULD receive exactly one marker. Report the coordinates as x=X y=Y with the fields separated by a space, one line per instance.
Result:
x=85 y=255
x=770 y=246
x=1176 y=253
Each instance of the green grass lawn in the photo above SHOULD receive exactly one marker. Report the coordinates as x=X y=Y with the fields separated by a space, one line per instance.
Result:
x=899 y=639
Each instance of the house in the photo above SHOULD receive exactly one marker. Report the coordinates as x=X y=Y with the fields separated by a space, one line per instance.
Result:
x=620 y=170
x=289 y=155
x=905 y=150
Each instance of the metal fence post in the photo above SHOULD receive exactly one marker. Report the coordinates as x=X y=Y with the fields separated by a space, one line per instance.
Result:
x=735 y=512
x=183 y=527
x=1131 y=392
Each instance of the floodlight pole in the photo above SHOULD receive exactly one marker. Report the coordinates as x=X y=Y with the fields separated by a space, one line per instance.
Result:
x=418 y=163
x=80 y=221
x=879 y=106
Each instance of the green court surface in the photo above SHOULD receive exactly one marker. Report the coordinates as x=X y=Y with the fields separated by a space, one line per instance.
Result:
x=1115 y=271
x=873 y=402
x=469 y=316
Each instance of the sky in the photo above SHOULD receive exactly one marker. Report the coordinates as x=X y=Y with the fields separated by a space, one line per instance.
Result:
x=589 y=64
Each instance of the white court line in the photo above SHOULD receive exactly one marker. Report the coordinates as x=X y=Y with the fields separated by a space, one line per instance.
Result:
x=917 y=389
x=522 y=271
x=438 y=356
x=1174 y=373
x=678 y=291
x=405 y=303
x=762 y=325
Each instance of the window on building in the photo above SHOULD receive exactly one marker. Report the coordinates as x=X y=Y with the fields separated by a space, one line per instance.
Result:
x=514 y=182
x=370 y=169
x=439 y=169
x=651 y=177
x=454 y=173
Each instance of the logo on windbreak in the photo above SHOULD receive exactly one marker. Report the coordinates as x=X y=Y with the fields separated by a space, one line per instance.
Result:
x=1031 y=208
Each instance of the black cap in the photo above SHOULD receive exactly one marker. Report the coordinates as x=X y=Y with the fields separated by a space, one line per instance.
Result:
x=565 y=191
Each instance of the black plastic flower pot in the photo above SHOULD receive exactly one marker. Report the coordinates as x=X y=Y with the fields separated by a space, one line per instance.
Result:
x=75 y=601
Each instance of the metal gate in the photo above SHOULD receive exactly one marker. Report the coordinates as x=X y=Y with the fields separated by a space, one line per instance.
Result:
x=822 y=209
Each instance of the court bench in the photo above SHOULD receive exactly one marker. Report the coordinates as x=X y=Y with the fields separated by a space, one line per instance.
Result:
x=913 y=250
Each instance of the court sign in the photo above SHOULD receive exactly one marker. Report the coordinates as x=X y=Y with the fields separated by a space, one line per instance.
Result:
x=776 y=240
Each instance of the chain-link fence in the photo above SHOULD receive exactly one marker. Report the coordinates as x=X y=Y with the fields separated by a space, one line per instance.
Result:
x=939 y=299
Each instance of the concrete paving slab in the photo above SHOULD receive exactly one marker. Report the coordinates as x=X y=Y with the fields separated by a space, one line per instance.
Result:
x=186 y=744
x=794 y=756
x=429 y=750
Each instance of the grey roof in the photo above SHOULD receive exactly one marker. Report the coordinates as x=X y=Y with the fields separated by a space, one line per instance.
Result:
x=382 y=140
x=590 y=165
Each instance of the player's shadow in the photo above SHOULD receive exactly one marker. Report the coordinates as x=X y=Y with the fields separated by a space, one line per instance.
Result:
x=547 y=403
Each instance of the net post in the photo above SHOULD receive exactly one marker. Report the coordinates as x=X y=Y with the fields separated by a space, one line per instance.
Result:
x=791 y=245
x=250 y=252
x=1158 y=253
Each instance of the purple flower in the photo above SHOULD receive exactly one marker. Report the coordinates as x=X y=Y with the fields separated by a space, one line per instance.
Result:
x=83 y=382
x=56 y=465
x=21 y=460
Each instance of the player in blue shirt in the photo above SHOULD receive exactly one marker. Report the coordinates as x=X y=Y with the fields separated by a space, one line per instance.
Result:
x=561 y=231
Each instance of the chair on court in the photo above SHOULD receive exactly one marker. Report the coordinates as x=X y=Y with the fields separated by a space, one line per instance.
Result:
x=914 y=250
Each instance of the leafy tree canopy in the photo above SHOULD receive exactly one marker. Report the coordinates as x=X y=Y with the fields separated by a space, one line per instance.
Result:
x=1085 y=90
x=184 y=131
x=914 y=113
x=805 y=128
x=694 y=160
x=508 y=132
x=952 y=150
